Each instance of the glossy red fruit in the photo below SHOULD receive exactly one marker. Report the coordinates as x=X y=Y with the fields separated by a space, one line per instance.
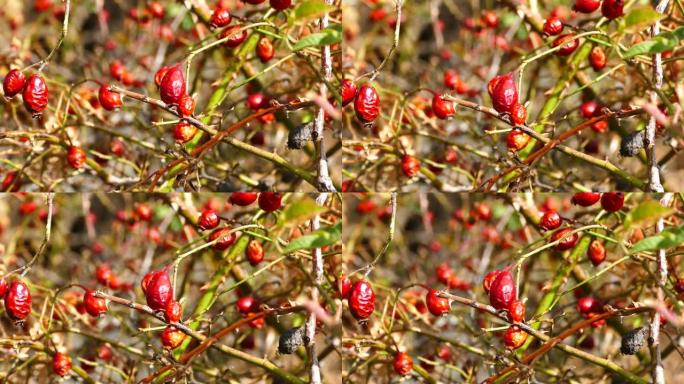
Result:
x=270 y=201
x=514 y=337
x=256 y=101
x=348 y=90
x=265 y=50
x=518 y=114
x=18 y=301
x=246 y=305
x=436 y=305
x=444 y=273
x=553 y=26
x=14 y=83
x=173 y=311
x=367 y=104
x=589 y=109
x=451 y=79
x=103 y=274
x=410 y=165
x=503 y=92
x=599 y=126
x=243 y=199
x=35 y=94
x=61 y=364
x=361 y=300
x=95 y=306
x=443 y=109
x=184 y=131
x=612 y=9
x=156 y=9
x=585 y=199
x=612 y=201
x=403 y=363
x=143 y=212
x=159 y=76
x=3 y=287
x=502 y=291
x=172 y=337
x=186 y=106
x=343 y=284
x=587 y=305
x=280 y=5
x=158 y=289
x=108 y=99
x=208 y=219
x=220 y=18
x=226 y=238
x=76 y=157
x=117 y=69
x=489 y=279
x=489 y=19
x=517 y=140
x=516 y=311
x=255 y=252
x=568 y=44
x=597 y=58
x=172 y=87
x=568 y=241
x=235 y=36
x=596 y=252
x=586 y=6
x=550 y=220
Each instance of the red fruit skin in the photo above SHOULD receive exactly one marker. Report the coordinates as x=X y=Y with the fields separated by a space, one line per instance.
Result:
x=503 y=92
x=243 y=199
x=596 y=252
x=265 y=50
x=3 y=287
x=256 y=101
x=550 y=220
x=208 y=219
x=597 y=58
x=489 y=19
x=103 y=274
x=451 y=79
x=589 y=109
x=586 y=6
x=348 y=90
x=585 y=199
x=516 y=311
x=612 y=9
x=612 y=201
x=280 y=5
x=514 y=337
x=220 y=18
x=159 y=76
x=186 y=106
x=156 y=9
x=678 y=285
x=76 y=157
x=10 y=183
x=172 y=87
x=226 y=239
x=18 y=301
x=35 y=94
x=184 y=131
x=95 y=306
x=517 y=140
x=568 y=44
x=489 y=279
x=270 y=201
x=587 y=305
x=61 y=364
x=444 y=273
x=518 y=114
x=553 y=26
x=14 y=83
x=367 y=104
x=403 y=363
x=443 y=109
x=410 y=165
x=172 y=338
x=343 y=284
x=246 y=305
x=158 y=289
x=438 y=306
x=108 y=99
x=502 y=291
x=117 y=69
x=361 y=300
x=254 y=252
x=568 y=242
x=173 y=311
x=235 y=36
x=599 y=126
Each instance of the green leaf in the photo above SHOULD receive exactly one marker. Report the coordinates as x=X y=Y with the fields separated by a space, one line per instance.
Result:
x=666 y=239
x=645 y=214
x=317 y=239
x=312 y=9
x=327 y=36
x=639 y=18
x=659 y=44
x=300 y=211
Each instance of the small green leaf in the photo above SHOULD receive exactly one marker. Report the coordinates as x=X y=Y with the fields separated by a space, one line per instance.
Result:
x=317 y=239
x=639 y=18
x=645 y=214
x=666 y=239
x=659 y=44
x=300 y=211
x=327 y=36
x=312 y=9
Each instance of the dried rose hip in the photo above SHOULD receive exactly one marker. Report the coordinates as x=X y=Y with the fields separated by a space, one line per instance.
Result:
x=270 y=201
x=502 y=291
x=585 y=199
x=348 y=91
x=503 y=92
x=403 y=363
x=596 y=252
x=443 y=109
x=158 y=289
x=361 y=300
x=255 y=252
x=18 y=300
x=514 y=337
x=226 y=238
x=14 y=83
x=567 y=242
x=61 y=364
x=550 y=220
x=436 y=305
x=243 y=199
x=108 y=99
x=172 y=86
x=367 y=104
x=35 y=94
x=95 y=306
x=612 y=201
x=172 y=337
x=410 y=165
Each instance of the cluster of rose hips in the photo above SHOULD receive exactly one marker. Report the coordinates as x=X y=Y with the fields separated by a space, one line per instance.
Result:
x=359 y=296
x=503 y=296
x=34 y=90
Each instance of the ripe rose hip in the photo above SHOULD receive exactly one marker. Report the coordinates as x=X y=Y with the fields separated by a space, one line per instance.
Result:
x=255 y=252
x=18 y=301
x=516 y=311
x=443 y=109
x=172 y=337
x=514 y=337
x=518 y=114
x=280 y=5
x=173 y=311
x=256 y=101
x=246 y=305
x=61 y=364
x=589 y=109
x=612 y=201
x=599 y=126
x=95 y=306
x=3 y=287
x=158 y=289
x=367 y=104
x=348 y=90
x=451 y=79
x=585 y=199
x=586 y=6
x=597 y=58
x=117 y=69
x=503 y=92
x=361 y=300
x=226 y=238
x=550 y=220
x=553 y=26
x=596 y=252
x=270 y=201
x=76 y=157
x=220 y=18
x=587 y=305
x=235 y=36
x=489 y=19
x=143 y=212
x=103 y=274
x=410 y=165
x=343 y=284
x=436 y=304
x=612 y=9
x=243 y=199
x=489 y=279
x=403 y=363
x=517 y=140
x=172 y=86
x=35 y=94
x=208 y=219
x=568 y=44
x=14 y=83
x=502 y=291
x=265 y=50
x=568 y=241
x=186 y=106
x=184 y=131
x=156 y=9
x=444 y=273
x=108 y=99
x=159 y=76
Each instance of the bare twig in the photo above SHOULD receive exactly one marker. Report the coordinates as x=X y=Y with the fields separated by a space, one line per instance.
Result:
x=317 y=272
x=46 y=240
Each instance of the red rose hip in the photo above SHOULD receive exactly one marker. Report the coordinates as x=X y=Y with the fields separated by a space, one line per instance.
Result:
x=502 y=291
x=553 y=26
x=612 y=9
x=361 y=300
x=586 y=6
x=61 y=364
x=172 y=86
x=208 y=219
x=243 y=199
x=35 y=94
x=443 y=109
x=95 y=306
x=173 y=311
x=270 y=201
x=410 y=165
x=367 y=104
x=402 y=364
x=108 y=99
x=503 y=92
x=437 y=305
x=596 y=252
x=348 y=90
x=612 y=201
x=76 y=157
x=254 y=252
x=585 y=199
x=14 y=83
x=18 y=301
x=568 y=241
x=225 y=238
x=550 y=220
x=158 y=289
